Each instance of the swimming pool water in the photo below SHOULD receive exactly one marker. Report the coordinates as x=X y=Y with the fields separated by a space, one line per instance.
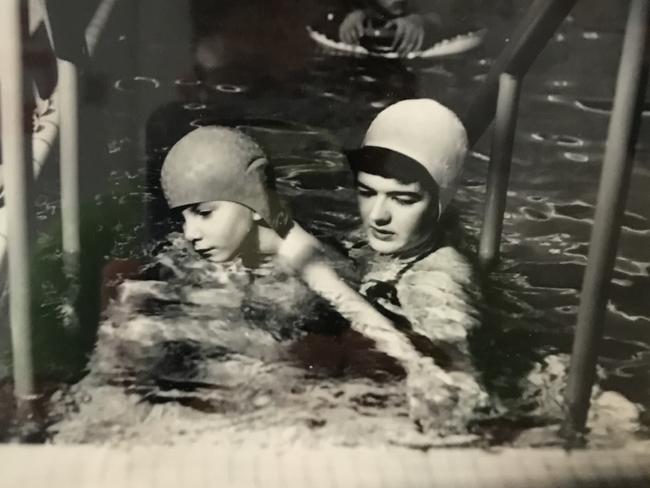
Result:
x=305 y=120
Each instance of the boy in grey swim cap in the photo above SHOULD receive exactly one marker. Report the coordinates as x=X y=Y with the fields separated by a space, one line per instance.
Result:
x=221 y=181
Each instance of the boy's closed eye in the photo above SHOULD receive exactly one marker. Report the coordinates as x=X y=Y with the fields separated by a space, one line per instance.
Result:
x=205 y=209
x=366 y=192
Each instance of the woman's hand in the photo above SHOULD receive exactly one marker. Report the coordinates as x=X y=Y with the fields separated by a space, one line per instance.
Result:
x=409 y=33
x=351 y=29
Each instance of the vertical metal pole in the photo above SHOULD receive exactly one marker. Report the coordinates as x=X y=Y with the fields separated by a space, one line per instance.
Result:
x=17 y=167
x=527 y=41
x=69 y=164
x=499 y=170
x=612 y=193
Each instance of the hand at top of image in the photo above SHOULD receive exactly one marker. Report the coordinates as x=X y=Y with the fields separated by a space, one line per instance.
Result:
x=409 y=33
x=352 y=28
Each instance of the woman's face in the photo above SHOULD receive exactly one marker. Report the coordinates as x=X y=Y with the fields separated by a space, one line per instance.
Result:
x=218 y=229
x=398 y=217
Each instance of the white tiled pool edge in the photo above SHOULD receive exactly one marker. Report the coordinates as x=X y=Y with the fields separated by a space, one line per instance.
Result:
x=203 y=465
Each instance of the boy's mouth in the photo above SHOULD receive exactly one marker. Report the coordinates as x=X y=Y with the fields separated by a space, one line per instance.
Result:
x=205 y=253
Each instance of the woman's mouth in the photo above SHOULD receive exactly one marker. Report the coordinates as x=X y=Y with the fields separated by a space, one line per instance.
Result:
x=381 y=234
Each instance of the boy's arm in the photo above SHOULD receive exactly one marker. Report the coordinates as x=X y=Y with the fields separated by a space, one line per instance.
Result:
x=303 y=253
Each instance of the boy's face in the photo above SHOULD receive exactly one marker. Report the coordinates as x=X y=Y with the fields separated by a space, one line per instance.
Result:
x=396 y=8
x=397 y=217
x=217 y=229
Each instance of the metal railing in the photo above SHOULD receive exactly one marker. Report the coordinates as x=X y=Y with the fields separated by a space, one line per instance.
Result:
x=498 y=100
x=17 y=150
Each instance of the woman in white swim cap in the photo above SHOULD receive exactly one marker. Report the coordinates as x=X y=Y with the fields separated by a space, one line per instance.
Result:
x=406 y=173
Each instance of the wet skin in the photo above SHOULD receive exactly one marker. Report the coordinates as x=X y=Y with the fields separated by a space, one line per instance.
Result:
x=218 y=229
x=397 y=217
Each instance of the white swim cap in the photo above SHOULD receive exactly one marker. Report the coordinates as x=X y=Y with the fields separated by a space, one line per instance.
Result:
x=428 y=133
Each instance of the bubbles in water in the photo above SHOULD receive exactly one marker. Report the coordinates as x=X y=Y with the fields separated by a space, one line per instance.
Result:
x=568 y=309
x=578 y=158
x=556 y=99
x=333 y=96
x=367 y=79
x=187 y=83
x=195 y=106
x=569 y=141
x=559 y=139
x=535 y=198
x=380 y=103
x=590 y=35
x=161 y=149
x=578 y=250
x=117 y=145
x=533 y=214
x=480 y=156
x=560 y=83
x=622 y=282
x=132 y=84
x=330 y=156
x=228 y=88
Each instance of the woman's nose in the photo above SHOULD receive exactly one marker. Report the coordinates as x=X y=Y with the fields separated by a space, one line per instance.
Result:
x=380 y=214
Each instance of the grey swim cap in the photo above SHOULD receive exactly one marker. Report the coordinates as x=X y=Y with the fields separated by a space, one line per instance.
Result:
x=220 y=163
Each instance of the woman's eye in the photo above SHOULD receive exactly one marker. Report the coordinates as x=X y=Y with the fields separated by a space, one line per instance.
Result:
x=407 y=200
x=365 y=193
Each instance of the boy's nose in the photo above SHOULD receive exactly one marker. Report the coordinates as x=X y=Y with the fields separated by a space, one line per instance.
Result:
x=379 y=213
x=191 y=230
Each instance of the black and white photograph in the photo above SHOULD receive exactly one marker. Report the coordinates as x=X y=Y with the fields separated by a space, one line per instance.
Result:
x=337 y=243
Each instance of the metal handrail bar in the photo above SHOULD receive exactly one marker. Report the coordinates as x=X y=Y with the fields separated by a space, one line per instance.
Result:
x=16 y=142
x=505 y=125
x=528 y=40
x=612 y=194
x=69 y=142
x=17 y=149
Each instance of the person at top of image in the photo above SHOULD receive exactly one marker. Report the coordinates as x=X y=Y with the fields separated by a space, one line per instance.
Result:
x=406 y=174
x=403 y=26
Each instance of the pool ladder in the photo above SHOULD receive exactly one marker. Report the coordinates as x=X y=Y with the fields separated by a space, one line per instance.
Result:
x=21 y=21
x=498 y=99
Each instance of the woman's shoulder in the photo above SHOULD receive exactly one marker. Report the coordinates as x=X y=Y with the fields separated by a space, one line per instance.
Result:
x=446 y=260
x=441 y=296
